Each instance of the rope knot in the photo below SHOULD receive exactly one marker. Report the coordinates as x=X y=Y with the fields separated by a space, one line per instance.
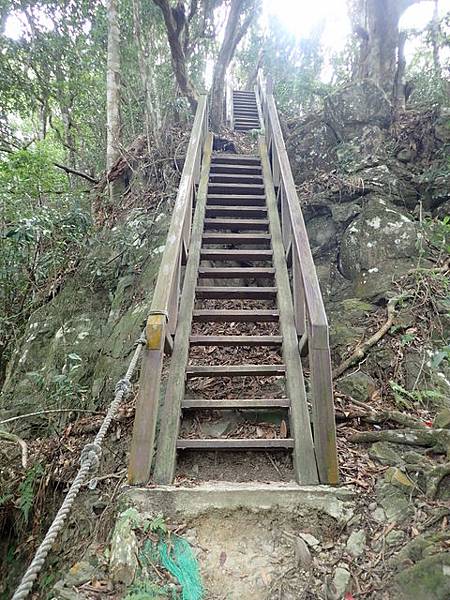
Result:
x=124 y=386
x=91 y=454
x=142 y=340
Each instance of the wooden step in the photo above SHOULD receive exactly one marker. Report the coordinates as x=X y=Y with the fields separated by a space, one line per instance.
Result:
x=233 y=444
x=230 y=316
x=236 y=272
x=224 y=255
x=235 y=371
x=234 y=188
x=235 y=178
x=235 y=293
x=235 y=169
x=236 y=404
x=237 y=200
x=245 y=127
x=237 y=224
x=236 y=340
x=235 y=159
x=237 y=238
x=236 y=211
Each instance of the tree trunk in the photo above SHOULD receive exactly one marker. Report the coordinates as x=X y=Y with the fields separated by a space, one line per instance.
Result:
x=174 y=33
x=113 y=86
x=252 y=78
x=234 y=32
x=152 y=117
x=435 y=39
x=376 y=23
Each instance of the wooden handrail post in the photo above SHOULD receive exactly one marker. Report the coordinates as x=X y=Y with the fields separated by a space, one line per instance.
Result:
x=147 y=403
x=323 y=413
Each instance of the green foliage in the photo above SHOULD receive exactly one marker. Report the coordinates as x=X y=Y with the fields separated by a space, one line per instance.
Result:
x=27 y=490
x=158 y=526
x=294 y=65
x=406 y=399
x=44 y=223
x=61 y=389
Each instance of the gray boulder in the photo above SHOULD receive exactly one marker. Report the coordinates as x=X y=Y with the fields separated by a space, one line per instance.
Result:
x=356 y=106
x=381 y=233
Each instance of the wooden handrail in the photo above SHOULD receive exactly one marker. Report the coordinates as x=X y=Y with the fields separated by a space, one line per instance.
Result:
x=162 y=319
x=180 y=225
x=310 y=317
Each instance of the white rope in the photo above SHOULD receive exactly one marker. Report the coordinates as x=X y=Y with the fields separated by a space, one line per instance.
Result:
x=89 y=462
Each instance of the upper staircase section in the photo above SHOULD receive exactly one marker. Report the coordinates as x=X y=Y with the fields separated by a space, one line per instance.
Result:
x=245 y=111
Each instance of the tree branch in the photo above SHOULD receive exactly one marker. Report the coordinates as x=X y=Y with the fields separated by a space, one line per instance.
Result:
x=77 y=173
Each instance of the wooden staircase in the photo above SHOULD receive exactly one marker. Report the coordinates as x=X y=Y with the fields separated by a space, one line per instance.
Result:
x=245 y=111
x=233 y=256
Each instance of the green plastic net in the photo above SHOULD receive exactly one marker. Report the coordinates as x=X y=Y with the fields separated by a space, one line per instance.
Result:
x=178 y=558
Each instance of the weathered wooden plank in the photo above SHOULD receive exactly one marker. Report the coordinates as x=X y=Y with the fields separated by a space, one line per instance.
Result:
x=236 y=272
x=323 y=415
x=235 y=371
x=236 y=188
x=235 y=178
x=169 y=422
x=237 y=224
x=236 y=403
x=225 y=168
x=234 y=444
x=257 y=315
x=235 y=340
x=237 y=200
x=147 y=403
x=304 y=456
x=236 y=211
x=232 y=159
x=237 y=238
x=223 y=255
x=236 y=293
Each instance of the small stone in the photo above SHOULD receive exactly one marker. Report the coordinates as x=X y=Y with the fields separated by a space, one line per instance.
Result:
x=358 y=385
x=385 y=453
x=372 y=506
x=341 y=580
x=442 y=419
x=80 y=573
x=395 y=537
x=379 y=515
x=356 y=542
x=302 y=554
x=310 y=539
x=395 y=476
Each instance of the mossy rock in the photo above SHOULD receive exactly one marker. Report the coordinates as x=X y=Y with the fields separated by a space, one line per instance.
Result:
x=426 y=580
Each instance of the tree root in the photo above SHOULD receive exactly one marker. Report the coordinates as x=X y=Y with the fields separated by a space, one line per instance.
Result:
x=361 y=350
x=436 y=439
x=12 y=437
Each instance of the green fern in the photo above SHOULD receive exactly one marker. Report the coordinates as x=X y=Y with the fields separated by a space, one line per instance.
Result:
x=27 y=490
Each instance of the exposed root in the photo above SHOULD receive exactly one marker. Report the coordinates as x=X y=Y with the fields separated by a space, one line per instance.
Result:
x=436 y=439
x=12 y=437
x=361 y=350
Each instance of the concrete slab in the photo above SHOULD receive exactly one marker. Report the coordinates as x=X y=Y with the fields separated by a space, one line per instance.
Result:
x=193 y=501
